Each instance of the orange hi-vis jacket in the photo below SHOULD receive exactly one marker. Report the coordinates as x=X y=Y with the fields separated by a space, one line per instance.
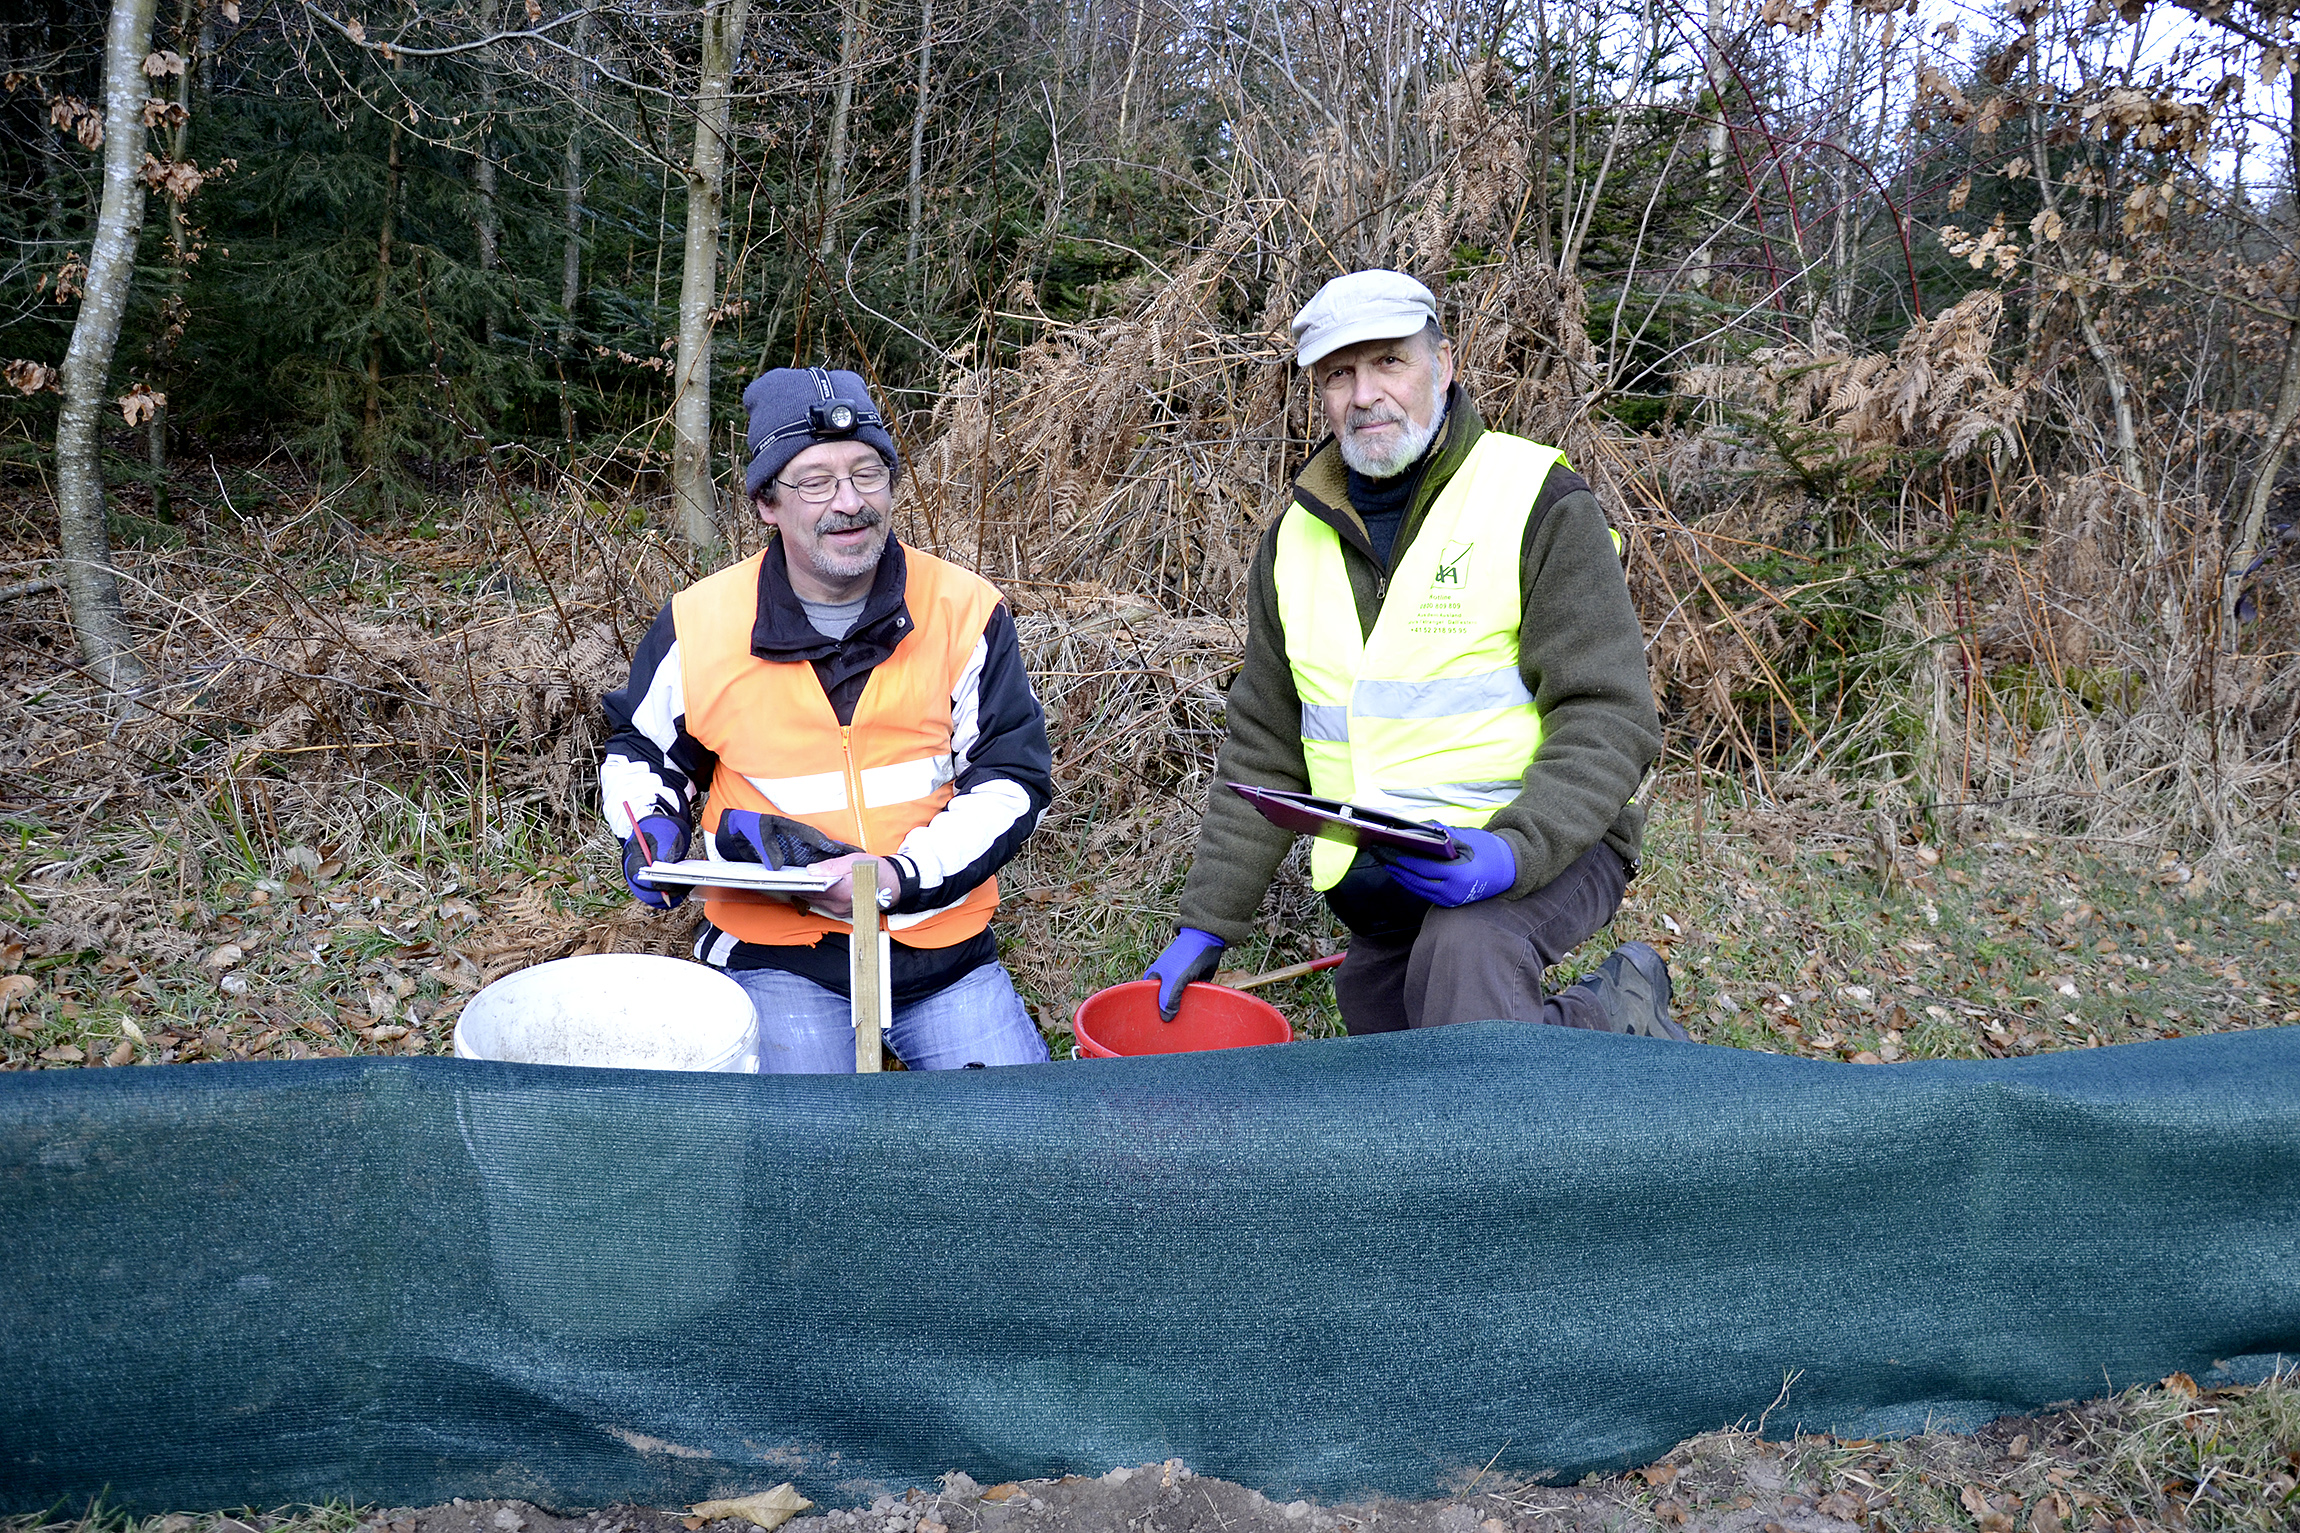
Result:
x=782 y=750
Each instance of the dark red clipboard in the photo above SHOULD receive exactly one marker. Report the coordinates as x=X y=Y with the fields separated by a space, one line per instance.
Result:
x=1331 y=818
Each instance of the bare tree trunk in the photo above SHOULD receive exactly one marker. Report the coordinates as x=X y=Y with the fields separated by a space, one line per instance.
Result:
x=1133 y=61
x=2278 y=445
x=488 y=224
x=192 y=34
x=918 y=141
x=571 y=253
x=2111 y=366
x=1714 y=186
x=94 y=592
x=835 y=173
x=691 y=484
x=373 y=416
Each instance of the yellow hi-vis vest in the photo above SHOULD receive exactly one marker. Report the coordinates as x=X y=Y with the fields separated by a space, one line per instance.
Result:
x=1428 y=716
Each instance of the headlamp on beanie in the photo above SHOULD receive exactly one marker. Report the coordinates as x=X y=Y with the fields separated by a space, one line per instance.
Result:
x=793 y=408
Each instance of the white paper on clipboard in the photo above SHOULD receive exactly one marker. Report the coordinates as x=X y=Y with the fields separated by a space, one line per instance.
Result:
x=698 y=873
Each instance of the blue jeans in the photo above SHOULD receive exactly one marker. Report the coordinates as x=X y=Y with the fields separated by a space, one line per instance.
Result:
x=807 y=1030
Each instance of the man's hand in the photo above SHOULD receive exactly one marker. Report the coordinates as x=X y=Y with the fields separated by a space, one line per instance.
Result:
x=666 y=838
x=1189 y=958
x=746 y=835
x=838 y=900
x=1488 y=870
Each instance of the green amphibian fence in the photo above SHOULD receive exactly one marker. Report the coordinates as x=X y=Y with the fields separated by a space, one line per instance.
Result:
x=1317 y=1269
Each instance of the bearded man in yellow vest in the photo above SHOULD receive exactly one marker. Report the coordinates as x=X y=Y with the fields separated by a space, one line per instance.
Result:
x=838 y=695
x=1438 y=628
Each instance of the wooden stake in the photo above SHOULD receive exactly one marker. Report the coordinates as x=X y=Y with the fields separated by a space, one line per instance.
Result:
x=867 y=960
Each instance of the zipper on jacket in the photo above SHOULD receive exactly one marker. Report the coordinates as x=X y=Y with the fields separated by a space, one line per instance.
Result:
x=1381 y=587
x=854 y=780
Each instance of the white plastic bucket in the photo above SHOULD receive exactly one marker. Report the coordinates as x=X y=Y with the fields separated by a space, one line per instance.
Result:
x=605 y=1216
x=629 y=1011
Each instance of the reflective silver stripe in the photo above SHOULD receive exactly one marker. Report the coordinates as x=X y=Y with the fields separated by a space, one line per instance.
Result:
x=905 y=781
x=816 y=793
x=1440 y=698
x=1449 y=795
x=1326 y=721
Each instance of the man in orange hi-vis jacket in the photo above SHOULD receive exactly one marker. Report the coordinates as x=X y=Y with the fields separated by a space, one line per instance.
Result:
x=834 y=696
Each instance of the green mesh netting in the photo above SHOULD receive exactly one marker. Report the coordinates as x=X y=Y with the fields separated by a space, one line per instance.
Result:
x=1319 y=1269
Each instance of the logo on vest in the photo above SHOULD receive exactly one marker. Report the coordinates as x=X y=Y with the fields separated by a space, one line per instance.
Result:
x=1450 y=565
x=1443 y=612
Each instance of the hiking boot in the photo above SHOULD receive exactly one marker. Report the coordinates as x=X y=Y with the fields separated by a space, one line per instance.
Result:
x=1632 y=986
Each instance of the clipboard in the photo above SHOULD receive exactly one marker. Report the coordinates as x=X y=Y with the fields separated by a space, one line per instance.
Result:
x=744 y=882
x=1334 y=820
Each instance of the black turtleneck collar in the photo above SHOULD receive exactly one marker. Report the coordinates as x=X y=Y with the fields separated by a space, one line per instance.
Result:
x=1381 y=503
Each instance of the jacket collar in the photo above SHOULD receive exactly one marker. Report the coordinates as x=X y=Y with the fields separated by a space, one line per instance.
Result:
x=783 y=633
x=1322 y=488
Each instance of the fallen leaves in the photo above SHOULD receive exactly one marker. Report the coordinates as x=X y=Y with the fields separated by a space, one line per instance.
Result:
x=768 y=1509
x=1989 y=1514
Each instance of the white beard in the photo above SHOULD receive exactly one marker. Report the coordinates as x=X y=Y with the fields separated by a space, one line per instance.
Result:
x=1412 y=442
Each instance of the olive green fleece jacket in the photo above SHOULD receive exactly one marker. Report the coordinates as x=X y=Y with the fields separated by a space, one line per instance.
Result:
x=1579 y=647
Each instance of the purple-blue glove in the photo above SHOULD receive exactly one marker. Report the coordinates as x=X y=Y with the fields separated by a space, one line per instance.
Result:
x=668 y=838
x=746 y=835
x=1489 y=869
x=1189 y=958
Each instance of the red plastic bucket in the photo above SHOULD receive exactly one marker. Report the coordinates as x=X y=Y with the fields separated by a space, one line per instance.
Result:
x=1123 y=1021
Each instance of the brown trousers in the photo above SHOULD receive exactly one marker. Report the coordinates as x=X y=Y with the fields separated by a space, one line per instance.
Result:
x=1413 y=964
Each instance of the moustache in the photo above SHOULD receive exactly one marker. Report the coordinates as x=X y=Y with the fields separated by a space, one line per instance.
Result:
x=848 y=521
x=1378 y=415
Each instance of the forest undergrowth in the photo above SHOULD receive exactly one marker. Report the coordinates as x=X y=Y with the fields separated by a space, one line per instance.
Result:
x=365 y=791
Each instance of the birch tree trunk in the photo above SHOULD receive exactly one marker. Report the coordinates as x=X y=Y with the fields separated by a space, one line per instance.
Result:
x=691 y=485
x=97 y=619
x=835 y=173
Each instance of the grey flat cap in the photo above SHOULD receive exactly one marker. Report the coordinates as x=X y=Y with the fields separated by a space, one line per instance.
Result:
x=1372 y=305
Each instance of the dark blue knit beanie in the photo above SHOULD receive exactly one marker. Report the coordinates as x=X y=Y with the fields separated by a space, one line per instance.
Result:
x=792 y=408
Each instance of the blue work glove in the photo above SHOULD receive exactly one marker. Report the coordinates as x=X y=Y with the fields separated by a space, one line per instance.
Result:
x=668 y=838
x=1189 y=958
x=1489 y=869
x=746 y=835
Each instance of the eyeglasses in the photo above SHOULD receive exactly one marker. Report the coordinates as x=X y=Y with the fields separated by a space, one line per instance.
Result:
x=816 y=489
